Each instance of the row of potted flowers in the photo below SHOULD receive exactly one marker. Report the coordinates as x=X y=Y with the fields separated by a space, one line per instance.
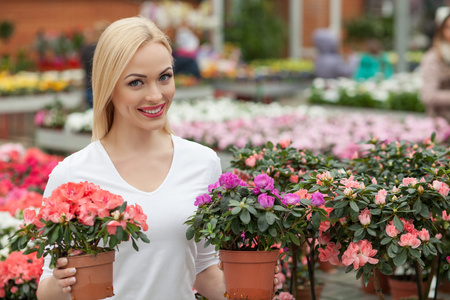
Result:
x=401 y=92
x=223 y=123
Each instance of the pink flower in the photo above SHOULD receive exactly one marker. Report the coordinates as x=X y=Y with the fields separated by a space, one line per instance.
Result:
x=284 y=143
x=303 y=194
x=424 y=235
x=293 y=178
x=445 y=216
x=330 y=253
x=380 y=199
x=317 y=199
x=251 y=161
x=409 y=239
x=202 y=199
x=266 y=201
x=409 y=181
x=264 y=182
x=290 y=199
x=112 y=226
x=441 y=187
x=391 y=230
x=284 y=296
x=14 y=289
x=30 y=217
x=359 y=254
x=350 y=182
x=365 y=216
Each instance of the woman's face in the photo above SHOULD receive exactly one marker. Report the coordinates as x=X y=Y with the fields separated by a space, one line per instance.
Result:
x=446 y=30
x=144 y=91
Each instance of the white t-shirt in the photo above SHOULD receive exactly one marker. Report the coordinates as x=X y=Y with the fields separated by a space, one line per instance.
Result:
x=167 y=267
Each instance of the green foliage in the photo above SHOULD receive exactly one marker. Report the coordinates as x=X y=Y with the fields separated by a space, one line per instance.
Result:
x=367 y=27
x=256 y=29
x=6 y=29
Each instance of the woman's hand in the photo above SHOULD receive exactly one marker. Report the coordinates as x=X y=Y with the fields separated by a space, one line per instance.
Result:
x=64 y=276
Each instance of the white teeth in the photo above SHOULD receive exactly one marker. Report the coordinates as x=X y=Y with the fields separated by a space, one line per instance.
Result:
x=152 y=111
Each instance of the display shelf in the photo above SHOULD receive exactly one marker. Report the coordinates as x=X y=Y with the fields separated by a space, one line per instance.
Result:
x=60 y=140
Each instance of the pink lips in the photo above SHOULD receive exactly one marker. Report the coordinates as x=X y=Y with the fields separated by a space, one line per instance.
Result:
x=159 y=109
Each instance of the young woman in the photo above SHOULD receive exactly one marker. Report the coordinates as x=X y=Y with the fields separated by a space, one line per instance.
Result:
x=135 y=154
x=435 y=69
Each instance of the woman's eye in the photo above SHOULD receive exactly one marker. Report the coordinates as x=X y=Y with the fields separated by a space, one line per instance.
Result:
x=136 y=82
x=165 y=77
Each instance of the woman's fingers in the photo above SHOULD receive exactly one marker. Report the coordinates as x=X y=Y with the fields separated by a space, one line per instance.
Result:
x=64 y=277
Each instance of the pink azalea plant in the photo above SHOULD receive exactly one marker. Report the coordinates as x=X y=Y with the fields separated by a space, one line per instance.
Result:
x=79 y=218
x=386 y=207
x=19 y=276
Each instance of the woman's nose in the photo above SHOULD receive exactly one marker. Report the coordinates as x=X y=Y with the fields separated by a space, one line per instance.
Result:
x=153 y=93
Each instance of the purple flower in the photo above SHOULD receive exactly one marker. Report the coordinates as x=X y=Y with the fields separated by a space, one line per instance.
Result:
x=264 y=181
x=290 y=199
x=266 y=201
x=213 y=186
x=202 y=199
x=317 y=199
x=229 y=180
x=256 y=191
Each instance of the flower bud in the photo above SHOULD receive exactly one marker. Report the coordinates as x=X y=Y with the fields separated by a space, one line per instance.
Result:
x=420 y=189
x=115 y=214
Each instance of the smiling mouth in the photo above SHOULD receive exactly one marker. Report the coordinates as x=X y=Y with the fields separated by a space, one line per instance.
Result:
x=151 y=111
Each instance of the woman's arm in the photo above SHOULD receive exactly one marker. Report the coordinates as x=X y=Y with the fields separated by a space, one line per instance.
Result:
x=210 y=283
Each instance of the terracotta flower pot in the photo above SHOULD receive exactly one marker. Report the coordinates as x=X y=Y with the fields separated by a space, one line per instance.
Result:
x=370 y=288
x=94 y=276
x=304 y=292
x=401 y=289
x=249 y=274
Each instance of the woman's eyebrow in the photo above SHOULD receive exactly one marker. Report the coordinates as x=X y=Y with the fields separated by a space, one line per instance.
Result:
x=135 y=74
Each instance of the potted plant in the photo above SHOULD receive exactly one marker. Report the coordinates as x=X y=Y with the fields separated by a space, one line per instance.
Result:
x=247 y=222
x=82 y=221
x=287 y=165
x=377 y=227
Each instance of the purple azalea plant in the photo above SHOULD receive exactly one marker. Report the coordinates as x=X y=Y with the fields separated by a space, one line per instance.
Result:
x=234 y=215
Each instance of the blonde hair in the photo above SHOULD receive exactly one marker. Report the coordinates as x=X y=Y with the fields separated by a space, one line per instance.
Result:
x=115 y=48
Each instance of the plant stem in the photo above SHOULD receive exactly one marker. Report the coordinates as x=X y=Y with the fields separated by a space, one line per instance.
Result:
x=376 y=284
x=437 y=275
x=419 y=279
x=293 y=287
x=311 y=268
x=430 y=276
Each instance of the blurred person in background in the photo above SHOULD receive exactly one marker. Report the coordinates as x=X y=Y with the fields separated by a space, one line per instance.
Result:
x=329 y=63
x=373 y=63
x=87 y=54
x=435 y=69
x=186 y=49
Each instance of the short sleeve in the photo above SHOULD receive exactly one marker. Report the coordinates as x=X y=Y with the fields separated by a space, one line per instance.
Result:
x=208 y=256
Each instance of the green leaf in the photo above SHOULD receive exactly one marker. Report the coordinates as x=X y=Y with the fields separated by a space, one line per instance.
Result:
x=190 y=233
x=398 y=224
x=236 y=227
x=198 y=220
x=273 y=231
x=262 y=223
x=143 y=237
x=270 y=217
x=294 y=238
x=425 y=212
x=371 y=232
x=252 y=210
x=245 y=216
x=417 y=206
x=386 y=269
x=400 y=259
x=359 y=232
x=236 y=210
x=135 y=246
x=385 y=240
x=354 y=206
x=315 y=220
x=119 y=233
